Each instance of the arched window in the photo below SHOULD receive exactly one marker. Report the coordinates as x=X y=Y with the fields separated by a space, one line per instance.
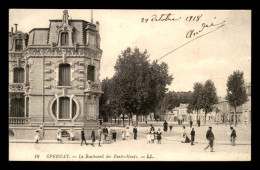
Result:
x=17 y=107
x=18 y=45
x=91 y=73
x=64 y=75
x=64 y=108
x=19 y=75
x=64 y=38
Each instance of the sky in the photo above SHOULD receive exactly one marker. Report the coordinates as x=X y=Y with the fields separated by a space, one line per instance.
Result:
x=214 y=53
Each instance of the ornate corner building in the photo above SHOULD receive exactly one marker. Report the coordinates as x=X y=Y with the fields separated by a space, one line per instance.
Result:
x=54 y=78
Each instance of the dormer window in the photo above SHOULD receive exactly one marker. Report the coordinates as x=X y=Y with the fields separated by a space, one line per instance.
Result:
x=64 y=38
x=18 y=45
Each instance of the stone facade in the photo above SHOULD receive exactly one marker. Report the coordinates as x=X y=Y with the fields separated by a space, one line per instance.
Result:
x=61 y=86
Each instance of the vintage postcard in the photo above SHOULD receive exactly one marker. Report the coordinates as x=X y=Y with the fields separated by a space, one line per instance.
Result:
x=129 y=85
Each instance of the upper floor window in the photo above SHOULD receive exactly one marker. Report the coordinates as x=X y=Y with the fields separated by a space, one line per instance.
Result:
x=64 y=38
x=91 y=73
x=18 y=45
x=19 y=75
x=64 y=75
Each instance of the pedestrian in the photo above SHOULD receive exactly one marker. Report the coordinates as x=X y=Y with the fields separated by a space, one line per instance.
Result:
x=83 y=136
x=71 y=132
x=152 y=128
x=165 y=126
x=179 y=121
x=191 y=123
x=199 y=123
x=185 y=138
x=210 y=137
x=99 y=136
x=127 y=132
x=135 y=133
x=152 y=136
x=59 y=135
x=123 y=133
x=159 y=136
x=233 y=136
x=148 y=137
x=93 y=136
x=114 y=135
x=37 y=136
x=105 y=133
x=192 y=134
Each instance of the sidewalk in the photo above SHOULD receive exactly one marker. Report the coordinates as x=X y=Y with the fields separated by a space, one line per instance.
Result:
x=89 y=141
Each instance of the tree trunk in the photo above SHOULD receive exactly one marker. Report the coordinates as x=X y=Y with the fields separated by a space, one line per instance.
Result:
x=197 y=115
x=115 y=120
x=235 y=116
x=136 y=123
x=123 y=119
x=205 y=118
x=129 y=120
x=118 y=120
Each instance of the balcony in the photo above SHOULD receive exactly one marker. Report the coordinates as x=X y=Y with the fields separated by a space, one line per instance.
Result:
x=17 y=121
x=93 y=87
x=16 y=87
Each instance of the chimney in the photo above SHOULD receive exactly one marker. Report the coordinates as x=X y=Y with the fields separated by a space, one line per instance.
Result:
x=91 y=16
x=15 y=27
x=65 y=16
x=12 y=30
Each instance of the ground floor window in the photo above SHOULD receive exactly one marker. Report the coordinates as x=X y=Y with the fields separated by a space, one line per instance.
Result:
x=66 y=109
x=17 y=107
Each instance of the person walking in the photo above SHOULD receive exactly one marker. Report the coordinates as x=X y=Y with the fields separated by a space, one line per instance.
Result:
x=165 y=126
x=192 y=134
x=210 y=137
x=152 y=128
x=105 y=133
x=159 y=136
x=199 y=123
x=191 y=123
x=148 y=136
x=233 y=136
x=114 y=135
x=135 y=133
x=59 y=135
x=71 y=132
x=99 y=136
x=83 y=136
x=127 y=132
x=123 y=133
x=93 y=136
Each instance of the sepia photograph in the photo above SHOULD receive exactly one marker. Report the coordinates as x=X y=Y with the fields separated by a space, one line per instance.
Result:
x=129 y=85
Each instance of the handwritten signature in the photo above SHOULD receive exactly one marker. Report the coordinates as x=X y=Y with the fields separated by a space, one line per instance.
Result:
x=191 y=33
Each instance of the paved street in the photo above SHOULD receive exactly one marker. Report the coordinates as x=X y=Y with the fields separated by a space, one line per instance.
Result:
x=171 y=148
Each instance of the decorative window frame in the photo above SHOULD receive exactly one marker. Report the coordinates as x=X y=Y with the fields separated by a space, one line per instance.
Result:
x=58 y=73
x=72 y=98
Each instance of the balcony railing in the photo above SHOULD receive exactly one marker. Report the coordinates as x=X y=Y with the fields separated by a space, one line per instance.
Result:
x=19 y=120
x=16 y=87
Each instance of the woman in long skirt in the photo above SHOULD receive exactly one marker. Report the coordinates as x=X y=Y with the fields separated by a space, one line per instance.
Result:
x=59 y=135
x=37 y=136
x=159 y=136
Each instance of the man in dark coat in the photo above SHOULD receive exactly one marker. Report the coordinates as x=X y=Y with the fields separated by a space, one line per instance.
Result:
x=83 y=137
x=210 y=137
x=233 y=136
x=165 y=126
x=192 y=134
x=191 y=123
x=135 y=132
x=199 y=123
x=93 y=136
x=105 y=132
x=152 y=128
